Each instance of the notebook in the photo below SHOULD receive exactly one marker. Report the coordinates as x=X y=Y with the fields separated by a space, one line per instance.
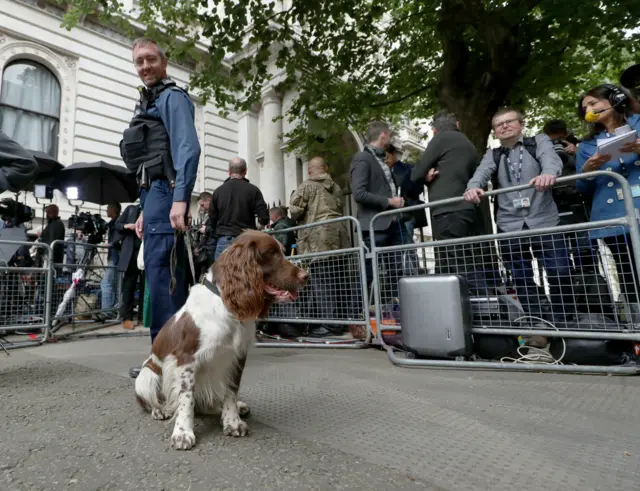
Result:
x=611 y=146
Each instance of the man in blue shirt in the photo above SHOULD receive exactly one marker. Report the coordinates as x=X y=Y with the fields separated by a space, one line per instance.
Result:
x=161 y=146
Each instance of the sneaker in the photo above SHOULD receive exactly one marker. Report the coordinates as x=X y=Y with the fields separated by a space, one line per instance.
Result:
x=134 y=372
x=537 y=342
x=319 y=331
x=128 y=325
x=325 y=331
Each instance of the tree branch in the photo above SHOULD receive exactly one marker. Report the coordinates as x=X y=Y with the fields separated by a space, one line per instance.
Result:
x=267 y=20
x=403 y=98
x=529 y=5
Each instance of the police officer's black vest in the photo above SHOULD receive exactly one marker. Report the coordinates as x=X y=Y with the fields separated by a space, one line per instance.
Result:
x=145 y=146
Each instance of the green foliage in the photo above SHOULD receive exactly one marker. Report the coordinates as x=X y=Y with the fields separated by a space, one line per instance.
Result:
x=411 y=157
x=562 y=103
x=352 y=61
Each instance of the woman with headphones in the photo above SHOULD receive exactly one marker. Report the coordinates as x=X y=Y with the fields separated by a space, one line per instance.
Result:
x=607 y=108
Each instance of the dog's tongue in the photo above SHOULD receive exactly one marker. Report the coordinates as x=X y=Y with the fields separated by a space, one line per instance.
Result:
x=281 y=294
x=271 y=290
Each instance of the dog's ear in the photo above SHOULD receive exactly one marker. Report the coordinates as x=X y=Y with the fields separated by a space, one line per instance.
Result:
x=240 y=279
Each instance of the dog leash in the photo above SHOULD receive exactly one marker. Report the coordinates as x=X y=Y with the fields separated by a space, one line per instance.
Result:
x=173 y=263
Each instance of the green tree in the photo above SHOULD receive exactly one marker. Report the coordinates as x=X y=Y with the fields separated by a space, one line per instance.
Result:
x=354 y=60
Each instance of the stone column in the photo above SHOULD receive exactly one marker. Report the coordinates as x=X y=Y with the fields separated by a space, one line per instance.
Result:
x=272 y=171
x=290 y=172
x=248 y=144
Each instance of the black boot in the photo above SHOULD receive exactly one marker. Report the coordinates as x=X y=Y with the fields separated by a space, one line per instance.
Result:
x=290 y=330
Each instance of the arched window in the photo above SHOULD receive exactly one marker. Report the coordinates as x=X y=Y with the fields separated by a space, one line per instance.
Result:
x=30 y=106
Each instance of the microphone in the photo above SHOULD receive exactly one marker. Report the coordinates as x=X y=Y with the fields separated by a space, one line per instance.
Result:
x=593 y=116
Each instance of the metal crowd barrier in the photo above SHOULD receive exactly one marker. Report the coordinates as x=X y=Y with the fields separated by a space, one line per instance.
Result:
x=582 y=288
x=78 y=285
x=24 y=297
x=335 y=295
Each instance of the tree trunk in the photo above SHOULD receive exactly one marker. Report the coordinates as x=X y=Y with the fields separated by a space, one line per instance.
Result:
x=476 y=80
x=475 y=90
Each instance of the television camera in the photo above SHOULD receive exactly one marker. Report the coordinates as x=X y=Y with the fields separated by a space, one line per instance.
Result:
x=13 y=213
x=93 y=227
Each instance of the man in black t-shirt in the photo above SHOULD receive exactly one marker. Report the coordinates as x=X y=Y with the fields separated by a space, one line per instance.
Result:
x=235 y=206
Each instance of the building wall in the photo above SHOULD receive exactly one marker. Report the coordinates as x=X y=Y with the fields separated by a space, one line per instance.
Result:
x=98 y=84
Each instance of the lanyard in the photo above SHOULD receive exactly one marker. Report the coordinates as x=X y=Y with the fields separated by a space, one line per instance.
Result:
x=517 y=175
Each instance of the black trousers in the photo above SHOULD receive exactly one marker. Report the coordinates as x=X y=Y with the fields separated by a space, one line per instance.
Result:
x=475 y=261
x=132 y=278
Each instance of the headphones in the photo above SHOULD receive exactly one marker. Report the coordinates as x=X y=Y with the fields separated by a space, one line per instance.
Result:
x=616 y=97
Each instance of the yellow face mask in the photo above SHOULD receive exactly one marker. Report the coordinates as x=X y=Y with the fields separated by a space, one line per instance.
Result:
x=591 y=116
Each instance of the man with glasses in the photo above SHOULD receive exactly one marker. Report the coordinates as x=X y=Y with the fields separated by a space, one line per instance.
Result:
x=532 y=161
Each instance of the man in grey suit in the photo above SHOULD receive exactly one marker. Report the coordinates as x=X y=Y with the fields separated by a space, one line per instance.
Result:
x=523 y=210
x=375 y=190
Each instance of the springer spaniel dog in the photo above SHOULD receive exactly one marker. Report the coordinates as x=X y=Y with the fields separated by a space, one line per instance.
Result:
x=197 y=359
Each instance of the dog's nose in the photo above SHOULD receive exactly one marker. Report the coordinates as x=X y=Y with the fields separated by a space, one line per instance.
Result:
x=303 y=275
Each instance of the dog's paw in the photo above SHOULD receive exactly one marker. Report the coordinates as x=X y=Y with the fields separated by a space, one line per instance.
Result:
x=182 y=439
x=243 y=409
x=235 y=427
x=159 y=414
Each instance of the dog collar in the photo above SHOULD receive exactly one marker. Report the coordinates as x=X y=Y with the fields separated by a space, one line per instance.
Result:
x=211 y=286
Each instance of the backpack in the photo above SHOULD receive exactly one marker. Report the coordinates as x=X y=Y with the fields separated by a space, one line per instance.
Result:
x=529 y=144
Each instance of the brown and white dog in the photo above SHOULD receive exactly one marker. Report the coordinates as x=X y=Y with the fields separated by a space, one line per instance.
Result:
x=197 y=359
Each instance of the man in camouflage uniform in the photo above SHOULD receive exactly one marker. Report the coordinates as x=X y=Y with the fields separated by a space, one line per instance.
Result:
x=318 y=199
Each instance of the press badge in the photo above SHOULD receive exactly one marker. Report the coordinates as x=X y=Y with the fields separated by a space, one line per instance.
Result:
x=635 y=192
x=521 y=203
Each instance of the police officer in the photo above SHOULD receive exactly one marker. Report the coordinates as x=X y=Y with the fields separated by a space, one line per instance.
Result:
x=161 y=147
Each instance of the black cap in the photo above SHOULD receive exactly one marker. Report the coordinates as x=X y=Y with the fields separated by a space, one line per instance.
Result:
x=631 y=77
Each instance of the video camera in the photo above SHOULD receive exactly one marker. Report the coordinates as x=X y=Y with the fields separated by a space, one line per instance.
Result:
x=92 y=226
x=14 y=213
x=559 y=145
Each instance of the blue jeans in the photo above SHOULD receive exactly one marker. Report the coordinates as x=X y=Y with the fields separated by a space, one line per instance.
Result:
x=108 y=286
x=550 y=251
x=410 y=226
x=223 y=242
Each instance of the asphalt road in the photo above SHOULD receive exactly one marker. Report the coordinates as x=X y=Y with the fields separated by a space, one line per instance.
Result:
x=321 y=420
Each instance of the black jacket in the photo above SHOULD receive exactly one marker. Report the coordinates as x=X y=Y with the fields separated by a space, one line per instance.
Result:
x=130 y=243
x=370 y=189
x=54 y=231
x=234 y=207
x=411 y=192
x=114 y=238
x=455 y=158
x=287 y=239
